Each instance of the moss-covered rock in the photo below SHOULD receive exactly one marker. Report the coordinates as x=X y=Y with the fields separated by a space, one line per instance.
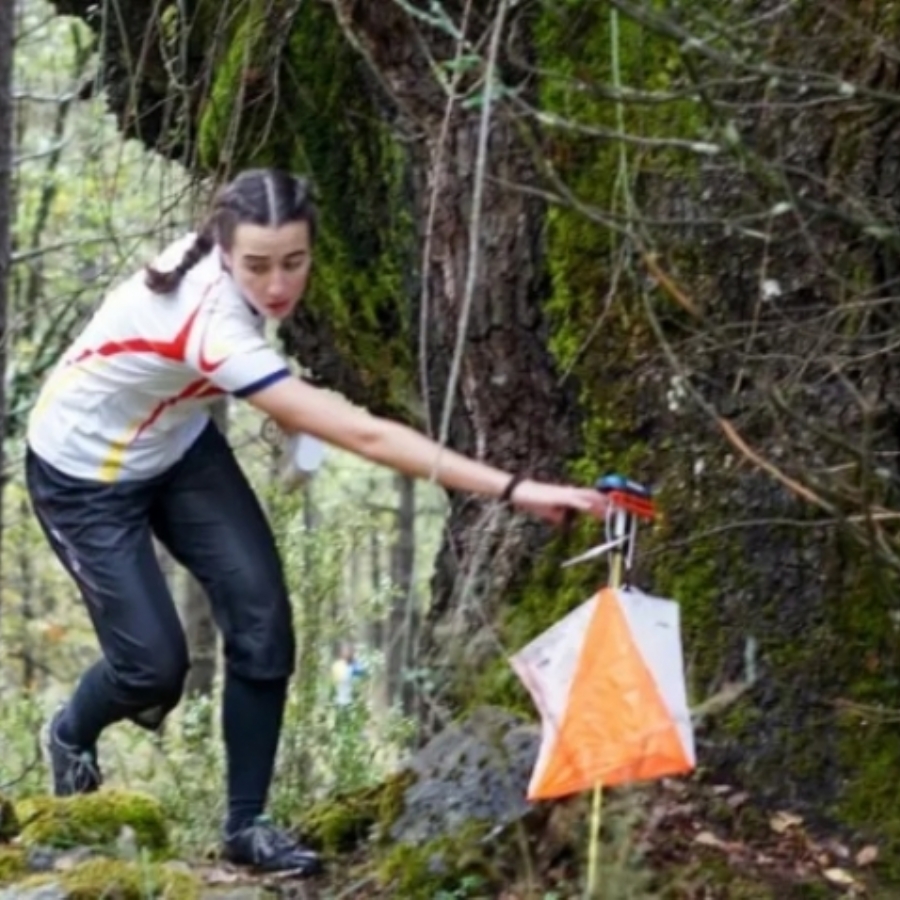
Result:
x=343 y=821
x=100 y=879
x=13 y=864
x=93 y=820
x=9 y=821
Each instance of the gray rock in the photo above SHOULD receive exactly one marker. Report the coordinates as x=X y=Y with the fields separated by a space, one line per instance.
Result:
x=50 y=891
x=52 y=859
x=68 y=859
x=474 y=771
x=41 y=859
x=242 y=892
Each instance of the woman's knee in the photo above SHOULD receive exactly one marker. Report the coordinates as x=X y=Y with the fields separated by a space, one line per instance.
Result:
x=156 y=676
x=261 y=642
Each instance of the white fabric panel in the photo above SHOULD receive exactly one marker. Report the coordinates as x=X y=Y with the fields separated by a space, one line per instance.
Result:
x=656 y=627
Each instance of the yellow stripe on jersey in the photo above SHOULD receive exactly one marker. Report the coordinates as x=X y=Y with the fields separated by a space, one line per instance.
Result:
x=112 y=464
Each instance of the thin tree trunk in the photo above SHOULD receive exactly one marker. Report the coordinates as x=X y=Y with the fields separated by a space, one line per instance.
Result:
x=26 y=588
x=196 y=614
x=201 y=634
x=7 y=42
x=402 y=617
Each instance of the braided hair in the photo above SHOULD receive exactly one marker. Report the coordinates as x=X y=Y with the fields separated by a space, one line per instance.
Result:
x=267 y=197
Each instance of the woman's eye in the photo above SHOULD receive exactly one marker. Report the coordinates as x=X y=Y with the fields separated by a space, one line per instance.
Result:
x=257 y=270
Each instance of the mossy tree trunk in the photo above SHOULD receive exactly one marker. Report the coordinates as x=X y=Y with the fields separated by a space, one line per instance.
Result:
x=480 y=301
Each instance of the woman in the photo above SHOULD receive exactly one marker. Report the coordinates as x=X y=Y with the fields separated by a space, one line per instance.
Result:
x=121 y=448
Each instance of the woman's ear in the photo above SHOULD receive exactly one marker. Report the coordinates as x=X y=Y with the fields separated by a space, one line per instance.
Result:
x=226 y=260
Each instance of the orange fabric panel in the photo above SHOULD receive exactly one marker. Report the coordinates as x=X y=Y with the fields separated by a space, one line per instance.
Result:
x=616 y=727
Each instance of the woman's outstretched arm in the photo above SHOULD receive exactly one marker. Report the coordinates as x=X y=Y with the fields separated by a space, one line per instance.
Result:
x=298 y=406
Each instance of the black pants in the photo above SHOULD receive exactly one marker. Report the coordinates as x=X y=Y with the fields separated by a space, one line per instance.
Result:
x=205 y=512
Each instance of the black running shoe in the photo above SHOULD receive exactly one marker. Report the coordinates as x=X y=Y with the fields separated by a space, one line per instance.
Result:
x=73 y=770
x=266 y=848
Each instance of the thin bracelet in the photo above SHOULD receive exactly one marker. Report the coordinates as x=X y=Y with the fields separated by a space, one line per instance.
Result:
x=513 y=483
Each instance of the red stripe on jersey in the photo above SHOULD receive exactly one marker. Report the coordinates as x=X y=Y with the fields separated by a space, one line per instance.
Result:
x=175 y=349
x=196 y=390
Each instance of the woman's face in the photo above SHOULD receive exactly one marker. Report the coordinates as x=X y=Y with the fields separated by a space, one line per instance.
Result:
x=271 y=266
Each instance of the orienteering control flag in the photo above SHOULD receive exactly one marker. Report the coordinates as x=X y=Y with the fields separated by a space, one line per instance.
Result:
x=608 y=682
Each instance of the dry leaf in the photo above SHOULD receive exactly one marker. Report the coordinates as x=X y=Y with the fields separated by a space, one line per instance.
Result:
x=867 y=855
x=839 y=876
x=221 y=876
x=783 y=821
x=708 y=839
x=738 y=800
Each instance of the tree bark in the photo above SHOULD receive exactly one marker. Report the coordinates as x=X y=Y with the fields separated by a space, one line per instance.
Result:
x=507 y=405
x=7 y=111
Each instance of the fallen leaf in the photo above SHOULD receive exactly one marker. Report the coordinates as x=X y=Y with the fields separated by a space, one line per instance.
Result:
x=708 y=839
x=867 y=855
x=738 y=800
x=840 y=876
x=221 y=876
x=783 y=821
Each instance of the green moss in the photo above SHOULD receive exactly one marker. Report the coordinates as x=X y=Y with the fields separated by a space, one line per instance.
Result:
x=343 y=821
x=694 y=575
x=421 y=872
x=13 y=864
x=310 y=110
x=9 y=822
x=871 y=798
x=596 y=356
x=93 y=820
x=243 y=69
x=98 y=879
x=366 y=250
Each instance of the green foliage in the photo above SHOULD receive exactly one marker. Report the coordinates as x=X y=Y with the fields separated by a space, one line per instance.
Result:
x=183 y=768
x=79 y=223
x=21 y=719
x=93 y=820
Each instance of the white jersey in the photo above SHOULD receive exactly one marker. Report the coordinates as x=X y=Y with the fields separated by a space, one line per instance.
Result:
x=132 y=393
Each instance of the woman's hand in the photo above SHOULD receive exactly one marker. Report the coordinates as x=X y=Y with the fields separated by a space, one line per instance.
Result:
x=555 y=502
